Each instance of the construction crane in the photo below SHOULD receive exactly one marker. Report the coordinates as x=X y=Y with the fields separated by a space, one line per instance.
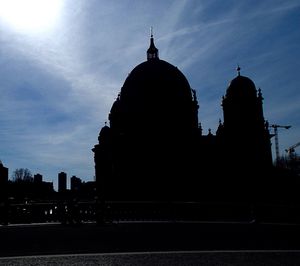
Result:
x=291 y=149
x=275 y=126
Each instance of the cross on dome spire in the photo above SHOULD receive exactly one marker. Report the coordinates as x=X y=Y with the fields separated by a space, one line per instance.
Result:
x=152 y=52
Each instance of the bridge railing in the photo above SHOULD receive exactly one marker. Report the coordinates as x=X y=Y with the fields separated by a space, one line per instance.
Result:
x=43 y=212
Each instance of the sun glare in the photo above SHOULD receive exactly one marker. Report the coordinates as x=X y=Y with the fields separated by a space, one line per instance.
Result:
x=30 y=15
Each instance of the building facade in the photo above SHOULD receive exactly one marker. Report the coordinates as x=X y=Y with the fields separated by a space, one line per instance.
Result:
x=154 y=149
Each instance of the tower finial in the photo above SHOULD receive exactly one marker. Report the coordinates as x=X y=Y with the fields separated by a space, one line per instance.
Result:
x=260 y=94
x=238 y=69
x=152 y=52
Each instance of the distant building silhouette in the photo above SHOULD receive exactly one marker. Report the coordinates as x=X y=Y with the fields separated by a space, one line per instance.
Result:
x=88 y=189
x=62 y=182
x=75 y=183
x=3 y=194
x=37 y=178
x=3 y=173
x=154 y=149
x=3 y=184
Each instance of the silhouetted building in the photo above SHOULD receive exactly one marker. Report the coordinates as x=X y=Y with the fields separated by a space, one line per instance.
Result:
x=244 y=136
x=75 y=183
x=62 y=182
x=30 y=189
x=154 y=147
x=3 y=183
x=3 y=173
x=88 y=188
x=47 y=187
x=37 y=178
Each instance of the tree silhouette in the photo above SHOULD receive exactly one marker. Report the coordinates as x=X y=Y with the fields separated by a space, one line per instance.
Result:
x=22 y=174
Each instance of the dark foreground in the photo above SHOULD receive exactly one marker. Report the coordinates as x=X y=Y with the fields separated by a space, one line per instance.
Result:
x=245 y=258
x=282 y=241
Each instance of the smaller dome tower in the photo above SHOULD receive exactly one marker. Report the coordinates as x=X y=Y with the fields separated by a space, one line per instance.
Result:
x=242 y=106
x=244 y=131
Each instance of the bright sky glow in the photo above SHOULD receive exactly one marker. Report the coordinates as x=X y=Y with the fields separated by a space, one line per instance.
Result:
x=30 y=15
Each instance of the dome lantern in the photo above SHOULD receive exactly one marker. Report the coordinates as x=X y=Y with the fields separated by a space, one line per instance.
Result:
x=152 y=52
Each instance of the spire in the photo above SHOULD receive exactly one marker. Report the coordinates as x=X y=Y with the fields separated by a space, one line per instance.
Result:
x=238 y=69
x=152 y=52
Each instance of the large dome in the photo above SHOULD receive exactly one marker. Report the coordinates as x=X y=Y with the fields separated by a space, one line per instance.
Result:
x=156 y=80
x=155 y=96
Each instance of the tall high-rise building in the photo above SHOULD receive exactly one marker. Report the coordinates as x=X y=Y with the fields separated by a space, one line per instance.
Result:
x=62 y=182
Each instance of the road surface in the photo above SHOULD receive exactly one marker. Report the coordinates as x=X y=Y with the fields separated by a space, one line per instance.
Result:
x=149 y=243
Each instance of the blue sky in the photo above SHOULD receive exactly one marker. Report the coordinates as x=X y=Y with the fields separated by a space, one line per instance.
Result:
x=58 y=81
